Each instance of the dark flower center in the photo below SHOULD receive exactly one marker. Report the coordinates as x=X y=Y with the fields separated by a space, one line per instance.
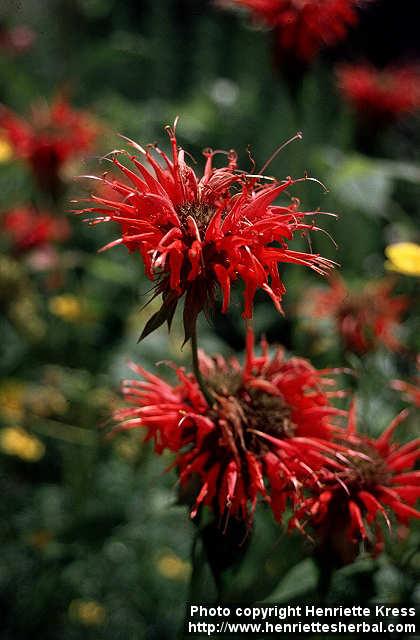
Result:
x=267 y=413
x=367 y=473
x=201 y=213
x=225 y=383
x=246 y=410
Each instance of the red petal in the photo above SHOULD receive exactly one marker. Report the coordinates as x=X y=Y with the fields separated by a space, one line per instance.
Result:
x=373 y=506
x=412 y=478
x=410 y=494
x=384 y=439
x=356 y=519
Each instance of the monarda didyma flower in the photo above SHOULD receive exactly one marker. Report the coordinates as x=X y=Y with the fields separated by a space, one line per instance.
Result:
x=364 y=319
x=303 y=27
x=198 y=234
x=349 y=506
x=381 y=96
x=55 y=134
x=267 y=432
x=28 y=229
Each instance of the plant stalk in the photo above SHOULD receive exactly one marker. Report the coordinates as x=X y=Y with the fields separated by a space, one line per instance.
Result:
x=196 y=367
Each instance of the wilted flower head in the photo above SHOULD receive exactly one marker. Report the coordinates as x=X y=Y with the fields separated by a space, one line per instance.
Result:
x=364 y=319
x=198 y=234
x=380 y=95
x=303 y=27
x=54 y=134
x=380 y=484
x=267 y=432
x=28 y=229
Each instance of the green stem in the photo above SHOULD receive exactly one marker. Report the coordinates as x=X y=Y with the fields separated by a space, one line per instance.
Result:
x=196 y=367
x=192 y=594
x=324 y=582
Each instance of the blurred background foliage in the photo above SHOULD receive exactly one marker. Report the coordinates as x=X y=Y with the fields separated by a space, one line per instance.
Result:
x=93 y=542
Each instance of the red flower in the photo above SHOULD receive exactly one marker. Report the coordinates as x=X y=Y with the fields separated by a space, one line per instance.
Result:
x=266 y=433
x=196 y=235
x=55 y=134
x=381 y=484
x=410 y=390
x=17 y=39
x=28 y=229
x=380 y=95
x=303 y=27
x=364 y=319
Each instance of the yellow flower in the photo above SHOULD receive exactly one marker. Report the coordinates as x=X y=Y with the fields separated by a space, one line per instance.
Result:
x=11 y=401
x=403 y=257
x=88 y=612
x=66 y=306
x=173 y=567
x=15 y=441
x=6 y=151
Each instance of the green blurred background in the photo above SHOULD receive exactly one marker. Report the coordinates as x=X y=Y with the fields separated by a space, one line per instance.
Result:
x=93 y=542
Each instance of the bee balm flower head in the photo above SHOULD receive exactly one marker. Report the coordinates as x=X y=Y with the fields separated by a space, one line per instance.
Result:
x=28 y=229
x=303 y=27
x=197 y=235
x=267 y=432
x=364 y=319
x=55 y=134
x=382 y=484
x=380 y=95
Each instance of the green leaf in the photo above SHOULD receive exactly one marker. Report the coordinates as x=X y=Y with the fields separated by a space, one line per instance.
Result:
x=155 y=322
x=300 y=580
x=194 y=303
x=365 y=183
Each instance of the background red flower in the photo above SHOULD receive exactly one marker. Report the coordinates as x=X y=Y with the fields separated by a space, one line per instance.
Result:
x=28 y=229
x=380 y=94
x=364 y=319
x=53 y=135
x=303 y=27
